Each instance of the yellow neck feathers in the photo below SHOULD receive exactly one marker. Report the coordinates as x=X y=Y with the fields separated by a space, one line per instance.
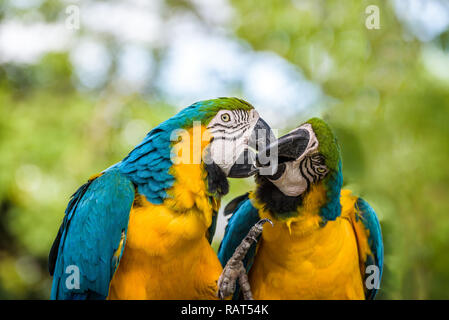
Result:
x=307 y=218
x=190 y=190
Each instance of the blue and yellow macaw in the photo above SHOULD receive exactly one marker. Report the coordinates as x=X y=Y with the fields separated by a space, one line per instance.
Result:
x=142 y=228
x=325 y=244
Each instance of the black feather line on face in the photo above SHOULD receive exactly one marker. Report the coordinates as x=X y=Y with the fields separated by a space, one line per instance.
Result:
x=231 y=131
x=301 y=165
x=217 y=182
x=273 y=200
x=237 y=126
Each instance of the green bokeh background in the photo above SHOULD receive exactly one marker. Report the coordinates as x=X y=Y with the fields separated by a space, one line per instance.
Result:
x=388 y=109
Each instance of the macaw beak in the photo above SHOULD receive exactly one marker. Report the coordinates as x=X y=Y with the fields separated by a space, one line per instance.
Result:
x=287 y=148
x=245 y=165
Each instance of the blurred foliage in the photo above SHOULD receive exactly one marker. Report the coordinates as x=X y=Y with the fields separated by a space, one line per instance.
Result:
x=390 y=114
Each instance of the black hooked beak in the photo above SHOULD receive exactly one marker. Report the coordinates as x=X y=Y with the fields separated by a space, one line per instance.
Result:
x=260 y=138
x=287 y=148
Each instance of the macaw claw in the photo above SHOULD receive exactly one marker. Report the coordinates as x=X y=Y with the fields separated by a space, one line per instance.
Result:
x=235 y=269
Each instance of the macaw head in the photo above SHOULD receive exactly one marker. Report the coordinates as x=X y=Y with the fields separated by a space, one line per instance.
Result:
x=308 y=156
x=234 y=133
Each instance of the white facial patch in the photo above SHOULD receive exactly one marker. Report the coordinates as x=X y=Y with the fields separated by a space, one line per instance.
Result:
x=231 y=131
x=292 y=183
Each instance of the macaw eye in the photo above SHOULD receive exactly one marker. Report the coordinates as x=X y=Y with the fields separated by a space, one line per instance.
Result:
x=225 y=117
x=320 y=169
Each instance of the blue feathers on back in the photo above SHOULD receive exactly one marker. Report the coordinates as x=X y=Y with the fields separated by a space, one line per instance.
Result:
x=148 y=164
x=241 y=221
x=369 y=218
x=96 y=217
x=332 y=209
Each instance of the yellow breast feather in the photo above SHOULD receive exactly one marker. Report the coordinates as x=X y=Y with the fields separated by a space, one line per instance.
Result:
x=167 y=255
x=349 y=210
x=298 y=259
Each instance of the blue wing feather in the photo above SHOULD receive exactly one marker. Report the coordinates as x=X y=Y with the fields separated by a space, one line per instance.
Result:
x=243 y=218
x=369 y=219
x=95 y=220
x=148 y=164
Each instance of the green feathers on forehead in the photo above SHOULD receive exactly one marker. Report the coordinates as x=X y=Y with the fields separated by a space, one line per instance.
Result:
x=215 y=105
x=205 y=110
x=328 y=144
